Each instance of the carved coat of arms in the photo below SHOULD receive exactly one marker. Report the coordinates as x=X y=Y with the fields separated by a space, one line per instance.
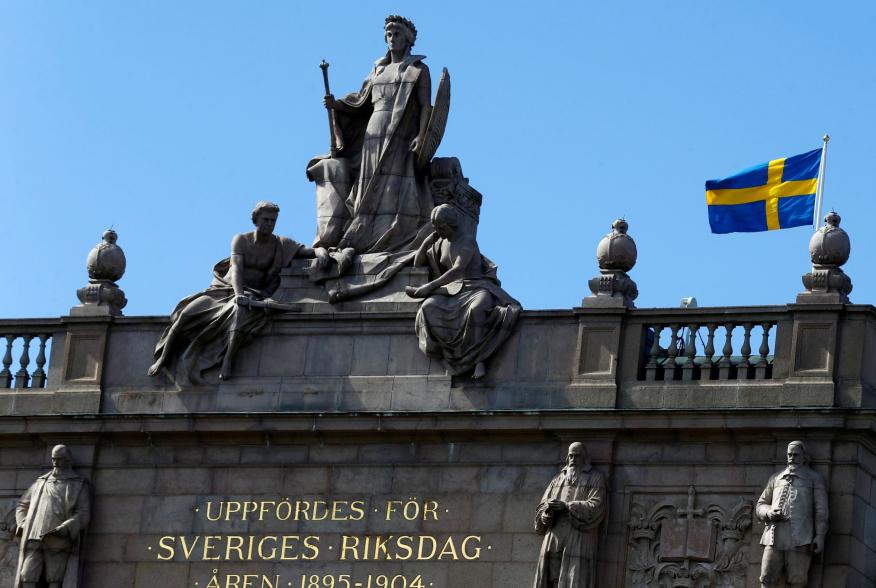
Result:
x=674 y=545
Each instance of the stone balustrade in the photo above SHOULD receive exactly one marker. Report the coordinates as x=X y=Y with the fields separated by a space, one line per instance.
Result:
x=26 y=344
x=735 y=357
x=702 y=345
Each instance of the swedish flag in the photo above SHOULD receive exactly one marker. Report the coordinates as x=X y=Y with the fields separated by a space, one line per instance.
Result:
x=775 y=195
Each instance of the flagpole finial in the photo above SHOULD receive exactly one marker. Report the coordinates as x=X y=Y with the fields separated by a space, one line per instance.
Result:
x=825 y=138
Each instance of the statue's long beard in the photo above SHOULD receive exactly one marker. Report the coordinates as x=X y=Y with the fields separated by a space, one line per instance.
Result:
x=572 y=475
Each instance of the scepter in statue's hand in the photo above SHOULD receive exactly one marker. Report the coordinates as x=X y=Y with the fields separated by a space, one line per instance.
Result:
x=329 y=104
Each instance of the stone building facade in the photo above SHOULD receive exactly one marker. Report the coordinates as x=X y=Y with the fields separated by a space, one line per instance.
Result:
x=326 y=408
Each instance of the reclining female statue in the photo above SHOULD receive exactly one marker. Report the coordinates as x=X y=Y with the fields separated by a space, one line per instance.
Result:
x=466 y=315
x=208 y=328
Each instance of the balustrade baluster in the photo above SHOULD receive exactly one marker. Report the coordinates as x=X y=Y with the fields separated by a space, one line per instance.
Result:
x=38 y=380
x=706 y=367
x=760 y=370
x=652 y=365
x=22 y=377
x=670 y=364
x=690 y=352
x=724 y=364
x=742 y=371
x=5 y=374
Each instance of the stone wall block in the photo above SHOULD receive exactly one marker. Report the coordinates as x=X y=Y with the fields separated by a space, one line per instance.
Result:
x=537 y=478
x=124 y=481
x=497 y=547
x=183 y=480
x=242 y=480
x=415 y=479
x=283 y=355
x=329 y=355
x=116 y=514
x=387 y=453
x=166 y=514
x=405 y=357
x=471 y=574
x=454 y=513
x=513 y=575
x=366 y=480
x=371 y=355
x=520 y=512
x=533 y=354
x=524 y=545
x=505 y=479
x=273 y=454
x=165 y=573
x=333 y=453
x=487 y=512
x=420 y=393
x=109 y=575
x=105 y=547
x=458 y=479
x=298 y=480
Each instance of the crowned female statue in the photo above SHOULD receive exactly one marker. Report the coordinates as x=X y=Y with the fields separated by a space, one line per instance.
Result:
x=372 y=193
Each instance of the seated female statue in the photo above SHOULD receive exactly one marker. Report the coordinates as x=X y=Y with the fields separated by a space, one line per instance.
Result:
x=208 y=328
x=466 y=315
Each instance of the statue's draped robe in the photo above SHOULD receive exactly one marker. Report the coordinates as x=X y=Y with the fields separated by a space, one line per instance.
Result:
x=371 y=197
x=575 y=532
x=466 y=321
x=204 y=321
x=75 y=510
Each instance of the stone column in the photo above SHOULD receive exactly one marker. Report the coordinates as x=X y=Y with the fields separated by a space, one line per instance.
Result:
x=814 y=341
x=601 y=319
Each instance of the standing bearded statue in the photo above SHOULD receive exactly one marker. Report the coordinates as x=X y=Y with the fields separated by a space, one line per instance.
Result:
x=569 y=516
x=52 y=517
x=794 y=507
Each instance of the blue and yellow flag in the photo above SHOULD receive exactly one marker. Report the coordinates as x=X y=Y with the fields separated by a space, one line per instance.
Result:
x=775 y=195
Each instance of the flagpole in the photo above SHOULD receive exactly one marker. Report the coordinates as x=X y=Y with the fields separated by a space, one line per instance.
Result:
x=819 y=190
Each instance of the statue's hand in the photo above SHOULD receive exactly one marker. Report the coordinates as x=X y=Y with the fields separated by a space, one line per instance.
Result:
x=416 y=144
x=557 y=505
x=420 y=292
x=242 y=299
x=19 y=531
x=330 y=102
x=818 y=544
x=322 y=257
x=775 y=515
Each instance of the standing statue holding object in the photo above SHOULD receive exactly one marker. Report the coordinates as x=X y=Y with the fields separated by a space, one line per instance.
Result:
x=372 y=192
x=794 y=507
x=569 y=515
x=52 y=517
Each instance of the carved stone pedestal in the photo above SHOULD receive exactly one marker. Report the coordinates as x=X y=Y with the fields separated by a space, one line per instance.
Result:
x=614 y=288
x=99 y=298
x=296 y=287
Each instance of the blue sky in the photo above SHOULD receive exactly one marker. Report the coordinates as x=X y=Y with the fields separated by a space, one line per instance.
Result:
x=168 y=120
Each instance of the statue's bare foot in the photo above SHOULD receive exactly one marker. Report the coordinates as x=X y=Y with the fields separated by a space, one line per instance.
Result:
x=480 y=371
x=225 y=372
x=155 y=367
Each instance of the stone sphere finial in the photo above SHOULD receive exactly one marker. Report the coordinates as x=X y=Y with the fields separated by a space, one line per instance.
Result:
x=830 y=244
x=617 y=250
x=106 y=261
